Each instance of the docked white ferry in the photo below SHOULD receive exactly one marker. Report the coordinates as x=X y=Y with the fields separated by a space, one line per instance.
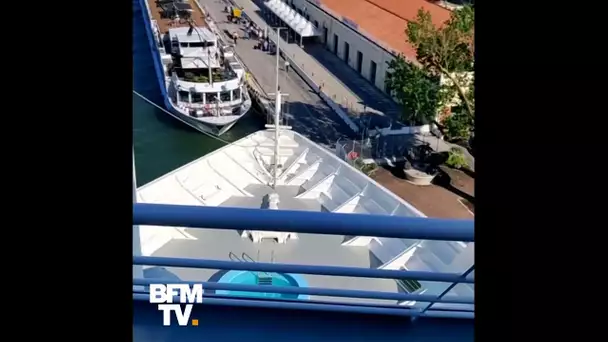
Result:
x=201 y=79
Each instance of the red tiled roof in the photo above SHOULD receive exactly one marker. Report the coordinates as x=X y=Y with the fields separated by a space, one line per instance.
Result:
x=386 y=20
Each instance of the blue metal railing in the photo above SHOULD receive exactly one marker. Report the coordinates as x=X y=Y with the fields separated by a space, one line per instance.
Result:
x=315 y=223
x=303 y=222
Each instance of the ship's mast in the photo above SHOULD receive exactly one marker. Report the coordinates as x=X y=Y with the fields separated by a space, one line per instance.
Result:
x=277 y=133
x=277 y=114
x=209 y=66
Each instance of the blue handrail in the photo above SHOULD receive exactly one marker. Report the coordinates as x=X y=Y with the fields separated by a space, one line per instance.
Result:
x=303 y=222
x=316 y=291
x=315 y=223
x=303 y=269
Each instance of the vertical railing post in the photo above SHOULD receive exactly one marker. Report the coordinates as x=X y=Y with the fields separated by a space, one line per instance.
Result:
x=137 y=269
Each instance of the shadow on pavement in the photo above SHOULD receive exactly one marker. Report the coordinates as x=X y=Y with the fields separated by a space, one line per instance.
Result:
x=314 y=122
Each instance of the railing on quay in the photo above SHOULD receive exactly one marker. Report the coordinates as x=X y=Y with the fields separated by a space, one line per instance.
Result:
x=313 y=223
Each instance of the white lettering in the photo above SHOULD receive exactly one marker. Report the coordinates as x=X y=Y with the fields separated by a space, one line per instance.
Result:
x=158 y=293
x=183 y=317
x=172 y=291
x=164 y=296
x=191 y=295
x=166 y=309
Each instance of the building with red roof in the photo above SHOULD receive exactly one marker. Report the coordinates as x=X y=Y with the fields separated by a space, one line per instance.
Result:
x=366 y=34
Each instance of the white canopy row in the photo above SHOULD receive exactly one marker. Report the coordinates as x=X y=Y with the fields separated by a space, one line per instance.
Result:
x=292 y=18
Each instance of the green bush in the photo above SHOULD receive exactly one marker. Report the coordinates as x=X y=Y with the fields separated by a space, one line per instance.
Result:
x=367 y=169
x=458 y=126
x=456 y=158
x=201 y=79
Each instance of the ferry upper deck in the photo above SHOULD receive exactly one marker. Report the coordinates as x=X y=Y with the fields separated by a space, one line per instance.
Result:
x=161 y=11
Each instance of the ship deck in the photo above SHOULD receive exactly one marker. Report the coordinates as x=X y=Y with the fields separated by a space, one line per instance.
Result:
x=313 y=179
x=164 y=24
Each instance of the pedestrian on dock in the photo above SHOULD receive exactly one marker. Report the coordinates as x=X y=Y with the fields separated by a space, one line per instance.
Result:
x=286 y=66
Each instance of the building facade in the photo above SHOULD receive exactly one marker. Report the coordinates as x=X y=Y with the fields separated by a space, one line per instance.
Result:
x=366 y=34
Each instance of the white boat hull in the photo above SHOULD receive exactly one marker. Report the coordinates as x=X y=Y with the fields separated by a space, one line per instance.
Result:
x=204 y=124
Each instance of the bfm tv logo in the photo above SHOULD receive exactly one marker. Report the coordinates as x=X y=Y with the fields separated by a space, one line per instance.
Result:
x=163 y=295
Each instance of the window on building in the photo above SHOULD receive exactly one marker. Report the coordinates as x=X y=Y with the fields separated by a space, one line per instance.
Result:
x=359 y=61
x=372 y=71
x=409 y=285
x=346 y=52
x=387 y=86
x=335 y=43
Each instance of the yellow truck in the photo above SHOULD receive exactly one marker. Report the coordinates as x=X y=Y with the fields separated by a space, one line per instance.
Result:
x=236 y=13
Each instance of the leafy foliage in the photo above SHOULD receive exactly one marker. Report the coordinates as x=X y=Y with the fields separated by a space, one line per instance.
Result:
x=456 y=159
x=418 y=93
x=368 y=169
x=471 y=96
x=446 y=51
x=192 y=77
x=458 y=125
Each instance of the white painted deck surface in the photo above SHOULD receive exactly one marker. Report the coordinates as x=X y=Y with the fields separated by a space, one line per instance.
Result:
x=312 y=179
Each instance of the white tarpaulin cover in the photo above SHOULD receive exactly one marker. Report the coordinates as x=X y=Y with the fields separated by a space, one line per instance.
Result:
x=282 y=9
x=297 y=23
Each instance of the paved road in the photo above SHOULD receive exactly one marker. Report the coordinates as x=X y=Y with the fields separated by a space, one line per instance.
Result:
x=341 y=82
x=305 y=111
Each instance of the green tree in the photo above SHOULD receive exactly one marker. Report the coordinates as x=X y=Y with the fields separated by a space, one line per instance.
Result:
x=447 y=51
x=418 y=93
x=459 y=125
